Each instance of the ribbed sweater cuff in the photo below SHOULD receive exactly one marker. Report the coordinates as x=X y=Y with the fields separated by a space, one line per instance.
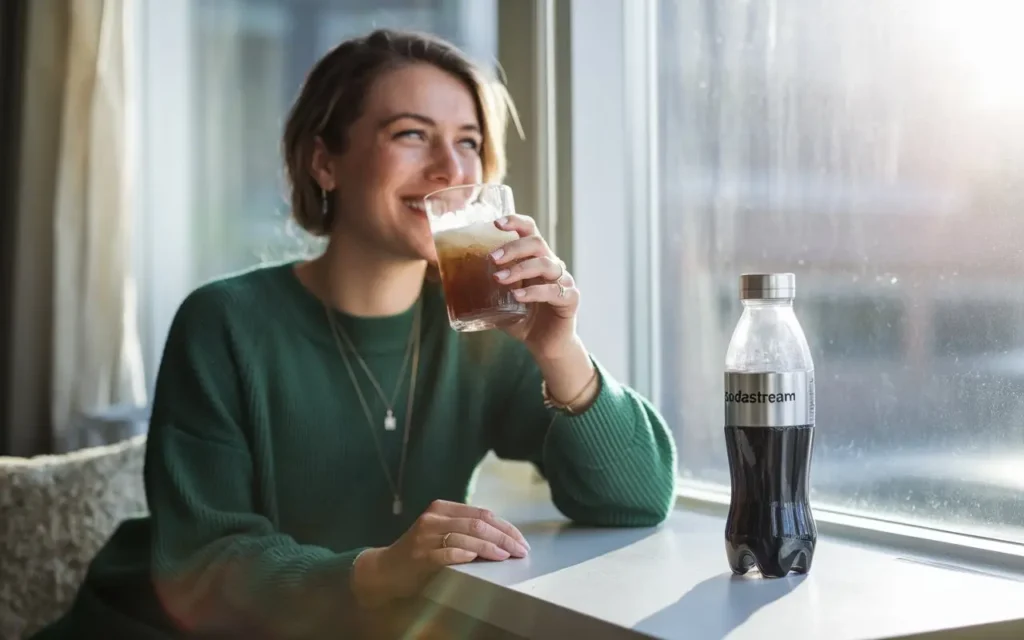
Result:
x=329 y=595
x=336 y=569
x=600 y=435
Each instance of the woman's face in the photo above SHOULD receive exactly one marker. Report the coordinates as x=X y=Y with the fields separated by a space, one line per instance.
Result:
x=418 y=133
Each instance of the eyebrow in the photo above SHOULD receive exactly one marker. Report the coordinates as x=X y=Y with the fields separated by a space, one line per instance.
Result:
x=421 y=118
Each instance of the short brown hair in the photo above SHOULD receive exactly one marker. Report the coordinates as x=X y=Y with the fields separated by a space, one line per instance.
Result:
x=332 y=98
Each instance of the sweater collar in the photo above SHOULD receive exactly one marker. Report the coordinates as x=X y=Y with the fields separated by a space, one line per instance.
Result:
x=377 y=334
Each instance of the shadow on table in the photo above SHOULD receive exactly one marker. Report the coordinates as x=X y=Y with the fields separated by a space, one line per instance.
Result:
x=558 y=544
x=718 y=605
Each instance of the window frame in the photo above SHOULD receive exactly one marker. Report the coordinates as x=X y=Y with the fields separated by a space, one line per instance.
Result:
x=598 y=166
x=615 y=252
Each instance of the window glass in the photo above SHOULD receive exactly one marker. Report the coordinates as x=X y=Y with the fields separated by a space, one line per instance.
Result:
x=250 y=58
x=876 y=149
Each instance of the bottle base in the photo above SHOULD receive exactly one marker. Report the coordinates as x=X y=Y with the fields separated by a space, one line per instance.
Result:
x=791 y=555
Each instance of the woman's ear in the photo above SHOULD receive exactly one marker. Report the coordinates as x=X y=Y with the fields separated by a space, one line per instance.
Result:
x=321 y=165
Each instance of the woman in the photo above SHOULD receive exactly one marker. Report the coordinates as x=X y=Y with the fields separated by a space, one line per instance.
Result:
x=316 y=424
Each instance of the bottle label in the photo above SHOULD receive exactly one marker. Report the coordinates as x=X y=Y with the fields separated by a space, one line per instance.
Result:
x=769 y=399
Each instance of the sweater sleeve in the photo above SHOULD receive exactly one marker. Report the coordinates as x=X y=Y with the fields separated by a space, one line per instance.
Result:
x=219 y=567
x=612 y=465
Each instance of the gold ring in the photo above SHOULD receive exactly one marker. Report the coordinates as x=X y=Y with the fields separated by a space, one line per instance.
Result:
x=444 y=540
x=561 y=273
x=561 y=290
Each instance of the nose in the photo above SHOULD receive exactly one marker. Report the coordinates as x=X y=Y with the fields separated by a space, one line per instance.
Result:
x=446 y=168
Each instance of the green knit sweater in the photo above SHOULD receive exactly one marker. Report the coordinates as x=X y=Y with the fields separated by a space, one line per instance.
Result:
x=262 y=477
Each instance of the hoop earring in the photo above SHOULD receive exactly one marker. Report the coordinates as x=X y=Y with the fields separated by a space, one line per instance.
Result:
x=323 y=203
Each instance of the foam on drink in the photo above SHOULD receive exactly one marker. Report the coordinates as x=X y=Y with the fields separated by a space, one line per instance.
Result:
x=476 y=237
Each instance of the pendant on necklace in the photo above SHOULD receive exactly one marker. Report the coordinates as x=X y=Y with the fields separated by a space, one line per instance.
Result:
x=396 y=506
x=390 y=424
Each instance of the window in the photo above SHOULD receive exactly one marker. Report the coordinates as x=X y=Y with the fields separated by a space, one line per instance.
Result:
x=876 y=149
x=873 y=147
x=216 y=78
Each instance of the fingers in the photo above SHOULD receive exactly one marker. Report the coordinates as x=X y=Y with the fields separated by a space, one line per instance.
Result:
x=564 y=296
x=527 y=247
x=451 y=555
x=504 y=526
x=486 y=532
x=459 y=510
x=480 y=547
x=523 y=225
x=545 y=268
x=447 y=533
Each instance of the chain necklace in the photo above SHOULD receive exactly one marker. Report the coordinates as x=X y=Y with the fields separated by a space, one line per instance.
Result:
x=390 y=423
x=395 y=484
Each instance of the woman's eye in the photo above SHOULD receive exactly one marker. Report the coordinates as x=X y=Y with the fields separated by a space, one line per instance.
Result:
x=471 y=143
x=415 y=134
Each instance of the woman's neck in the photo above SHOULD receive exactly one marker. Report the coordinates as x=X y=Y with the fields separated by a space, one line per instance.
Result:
x=362 y=282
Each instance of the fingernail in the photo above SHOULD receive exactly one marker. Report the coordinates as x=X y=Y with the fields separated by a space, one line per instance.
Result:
x=519 y=293
x=522 y=550
x=502 y=554
x=526 y=543
x=501 y=275
x=503 y=221
x=496 y=254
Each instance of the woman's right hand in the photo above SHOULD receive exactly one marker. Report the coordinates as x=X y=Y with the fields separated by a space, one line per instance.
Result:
x=446 y=533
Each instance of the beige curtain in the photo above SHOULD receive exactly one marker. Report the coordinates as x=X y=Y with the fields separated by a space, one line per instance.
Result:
x=97 y=360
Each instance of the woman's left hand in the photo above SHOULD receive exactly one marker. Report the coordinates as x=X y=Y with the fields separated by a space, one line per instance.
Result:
x=549 y=331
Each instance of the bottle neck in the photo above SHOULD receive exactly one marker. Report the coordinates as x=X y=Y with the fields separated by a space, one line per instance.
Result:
x=760 y=303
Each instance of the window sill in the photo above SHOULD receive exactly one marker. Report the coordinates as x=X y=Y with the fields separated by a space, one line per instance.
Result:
x=909 y=542
x=673 y=582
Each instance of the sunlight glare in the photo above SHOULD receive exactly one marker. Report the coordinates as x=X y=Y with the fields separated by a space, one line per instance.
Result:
x=985 y=36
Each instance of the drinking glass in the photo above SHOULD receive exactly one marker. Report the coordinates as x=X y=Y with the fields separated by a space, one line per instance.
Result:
x=462 y=221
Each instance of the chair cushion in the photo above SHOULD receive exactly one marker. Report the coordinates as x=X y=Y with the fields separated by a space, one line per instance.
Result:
x=55 y=514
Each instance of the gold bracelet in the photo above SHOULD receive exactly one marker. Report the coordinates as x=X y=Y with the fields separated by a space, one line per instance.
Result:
x=551 y=403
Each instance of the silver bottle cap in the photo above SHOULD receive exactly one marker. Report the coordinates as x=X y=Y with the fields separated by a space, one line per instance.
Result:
x=767 y=286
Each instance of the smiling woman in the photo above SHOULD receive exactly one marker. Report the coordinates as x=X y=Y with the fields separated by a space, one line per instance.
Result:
x=323 y=125
x=377 y=128
x=316 y=424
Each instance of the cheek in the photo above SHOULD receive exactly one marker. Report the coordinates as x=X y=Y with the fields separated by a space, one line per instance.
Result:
x=473 y=168
x=394 y=165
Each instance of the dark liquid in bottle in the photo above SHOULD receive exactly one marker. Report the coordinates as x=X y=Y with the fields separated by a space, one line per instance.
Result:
x=770 y=525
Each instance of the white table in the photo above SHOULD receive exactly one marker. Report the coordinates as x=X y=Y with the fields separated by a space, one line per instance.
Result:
x=673 y=582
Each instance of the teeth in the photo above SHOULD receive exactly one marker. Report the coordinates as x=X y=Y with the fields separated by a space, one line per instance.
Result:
x=415 y=204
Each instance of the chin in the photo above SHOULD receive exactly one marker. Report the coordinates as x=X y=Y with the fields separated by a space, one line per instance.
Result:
x=421 y=246
x=414 y=250
x=428 y=253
